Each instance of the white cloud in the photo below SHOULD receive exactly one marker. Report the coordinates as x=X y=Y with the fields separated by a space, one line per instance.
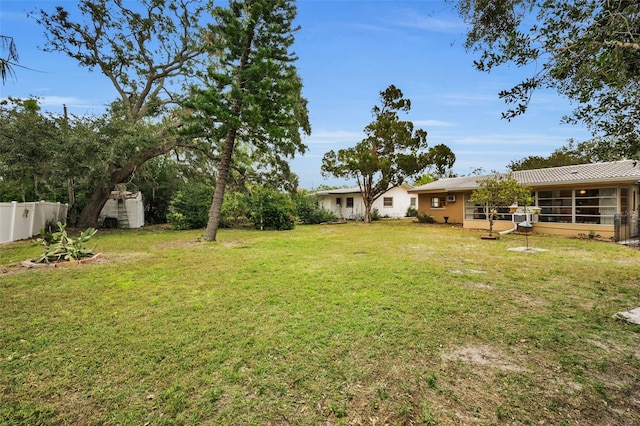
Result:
x=338 y=137
x=58 y=101
x=75 y=106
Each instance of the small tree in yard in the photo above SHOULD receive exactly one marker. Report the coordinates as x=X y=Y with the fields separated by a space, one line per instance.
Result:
x=391 y=152
x=498 y=191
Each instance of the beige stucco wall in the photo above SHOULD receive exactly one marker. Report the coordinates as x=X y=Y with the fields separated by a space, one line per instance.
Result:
x=561 y=229
x=498 y=225
x=454 y=211
x=572 y=230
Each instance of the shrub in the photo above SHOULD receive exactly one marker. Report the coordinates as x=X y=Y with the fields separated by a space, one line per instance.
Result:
x=235 y=212
x=412 y=212
x=308 y=211
x=425 y=218
x=270 y=209
x=190 y=207
x=375 y=214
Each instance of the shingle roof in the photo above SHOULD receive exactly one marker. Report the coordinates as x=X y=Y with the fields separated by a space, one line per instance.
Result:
x=355 y=190
x=615 y=171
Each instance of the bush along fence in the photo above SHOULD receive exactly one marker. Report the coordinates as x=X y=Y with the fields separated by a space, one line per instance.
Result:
x=24 y=220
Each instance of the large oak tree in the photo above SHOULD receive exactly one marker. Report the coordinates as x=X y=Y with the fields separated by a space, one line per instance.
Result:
x=587 y=50
x=144 y=49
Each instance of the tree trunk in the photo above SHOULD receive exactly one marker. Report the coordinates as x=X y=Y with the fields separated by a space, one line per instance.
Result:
x=221 y=182
x=367 y=210
x=98 y=198
x=490 y=221
x=91 y=211
x=71 y=193
x=367 y=198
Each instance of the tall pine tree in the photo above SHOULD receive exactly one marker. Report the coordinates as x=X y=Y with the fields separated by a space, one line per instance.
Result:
x=251 y=91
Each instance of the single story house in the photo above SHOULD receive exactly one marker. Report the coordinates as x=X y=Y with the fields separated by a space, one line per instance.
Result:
x=347 y=203
x=568 y=200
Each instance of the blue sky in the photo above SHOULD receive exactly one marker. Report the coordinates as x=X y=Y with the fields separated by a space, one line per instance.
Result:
x=349 y=51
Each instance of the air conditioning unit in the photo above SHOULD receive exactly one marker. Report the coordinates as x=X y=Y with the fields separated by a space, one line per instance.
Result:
x=451 y=198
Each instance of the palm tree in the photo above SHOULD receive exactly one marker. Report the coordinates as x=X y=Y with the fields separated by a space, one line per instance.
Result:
x=7 y=64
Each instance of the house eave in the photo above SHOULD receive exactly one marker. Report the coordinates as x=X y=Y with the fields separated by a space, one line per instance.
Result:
x=536 y=185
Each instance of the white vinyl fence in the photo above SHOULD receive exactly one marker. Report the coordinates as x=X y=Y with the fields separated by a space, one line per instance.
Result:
x=24 y=220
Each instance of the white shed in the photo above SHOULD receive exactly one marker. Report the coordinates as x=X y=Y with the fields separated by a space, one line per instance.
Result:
x=123 y=209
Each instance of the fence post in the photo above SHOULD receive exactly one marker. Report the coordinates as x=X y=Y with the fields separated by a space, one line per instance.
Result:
x=33 y=217
x=12 y=222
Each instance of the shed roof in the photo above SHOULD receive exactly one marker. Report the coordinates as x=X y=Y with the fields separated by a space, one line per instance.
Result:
x=614 y=171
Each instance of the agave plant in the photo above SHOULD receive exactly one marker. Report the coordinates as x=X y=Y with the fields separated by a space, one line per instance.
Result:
x=59 y=247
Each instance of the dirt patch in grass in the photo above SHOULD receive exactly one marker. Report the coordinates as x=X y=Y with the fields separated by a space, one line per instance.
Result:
x=326 y=230
x=123 y=258
x=465 y=271
x=481 y=286
x=13 y=269
x=180 y=245
x=627 y=261
x=194 y=244
x=527 y=249
x=234 y=244
x=531 y=302
x=484 y=356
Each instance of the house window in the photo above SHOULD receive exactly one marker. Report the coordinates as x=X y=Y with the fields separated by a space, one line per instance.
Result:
x=438 y=202
x=338 y=202
x=349 y=202
x=412 y=202
x=387 y=202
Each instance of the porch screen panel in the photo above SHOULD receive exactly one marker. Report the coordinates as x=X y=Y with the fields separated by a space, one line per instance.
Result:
x=624 y=200
x=596 y=206
x=556 y=206
x=477 y=211
x=470 y=209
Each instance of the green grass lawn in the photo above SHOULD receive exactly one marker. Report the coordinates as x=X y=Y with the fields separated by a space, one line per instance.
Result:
x=389 y=323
